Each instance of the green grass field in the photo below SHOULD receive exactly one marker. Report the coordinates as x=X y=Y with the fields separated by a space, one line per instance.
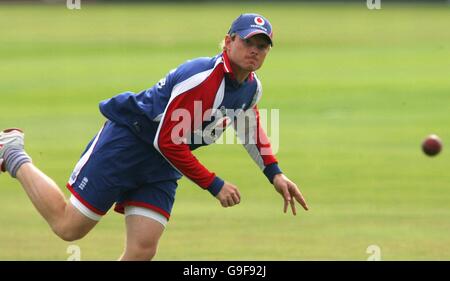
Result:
x=357 y=90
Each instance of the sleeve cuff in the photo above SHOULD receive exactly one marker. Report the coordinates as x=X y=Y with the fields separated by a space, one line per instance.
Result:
x=216 y=186
x=271 y=170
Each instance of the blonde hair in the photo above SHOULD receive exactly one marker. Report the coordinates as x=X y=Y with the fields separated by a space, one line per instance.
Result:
x=222 y=45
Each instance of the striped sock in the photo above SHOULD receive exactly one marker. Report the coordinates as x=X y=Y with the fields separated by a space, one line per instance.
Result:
x=14 y=158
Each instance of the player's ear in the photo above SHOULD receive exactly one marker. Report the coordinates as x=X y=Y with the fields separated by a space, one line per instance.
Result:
x=227 y=41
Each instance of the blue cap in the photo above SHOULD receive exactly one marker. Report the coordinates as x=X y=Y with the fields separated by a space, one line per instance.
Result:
x=247 y=25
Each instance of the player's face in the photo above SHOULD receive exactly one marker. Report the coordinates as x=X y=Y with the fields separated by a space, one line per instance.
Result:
x=248 y=54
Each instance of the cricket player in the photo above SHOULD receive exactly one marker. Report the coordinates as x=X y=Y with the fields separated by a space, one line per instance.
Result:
x=145 y=146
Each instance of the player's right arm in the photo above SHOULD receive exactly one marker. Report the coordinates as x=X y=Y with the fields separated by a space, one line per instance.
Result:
x=174 y=130
x=173 y=147
x=171 y=142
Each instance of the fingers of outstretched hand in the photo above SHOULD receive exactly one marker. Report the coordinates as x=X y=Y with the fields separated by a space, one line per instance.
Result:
x=301 y=200
x=286 y=196
x=294 y=209
x=286 y=204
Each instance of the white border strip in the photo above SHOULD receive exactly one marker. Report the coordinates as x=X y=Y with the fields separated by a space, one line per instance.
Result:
x=148 y=213
x=83 y=160
x=83 y=209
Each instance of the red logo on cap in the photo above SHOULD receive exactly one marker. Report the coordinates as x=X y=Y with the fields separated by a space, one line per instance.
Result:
x=259 y=21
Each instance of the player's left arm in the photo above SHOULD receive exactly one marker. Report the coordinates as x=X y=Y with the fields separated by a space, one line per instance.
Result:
x=258 y=146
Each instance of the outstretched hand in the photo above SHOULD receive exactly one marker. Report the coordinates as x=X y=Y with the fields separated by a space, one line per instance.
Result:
x=289 y=191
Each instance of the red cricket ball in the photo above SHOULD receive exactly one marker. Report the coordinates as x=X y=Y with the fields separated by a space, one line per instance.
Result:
x=432 y=145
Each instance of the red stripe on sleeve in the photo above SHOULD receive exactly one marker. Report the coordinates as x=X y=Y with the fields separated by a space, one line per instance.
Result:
x=263 y=142
x=178 y=153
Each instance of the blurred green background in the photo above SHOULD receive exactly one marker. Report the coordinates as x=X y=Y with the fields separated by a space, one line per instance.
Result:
x=357 y=89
